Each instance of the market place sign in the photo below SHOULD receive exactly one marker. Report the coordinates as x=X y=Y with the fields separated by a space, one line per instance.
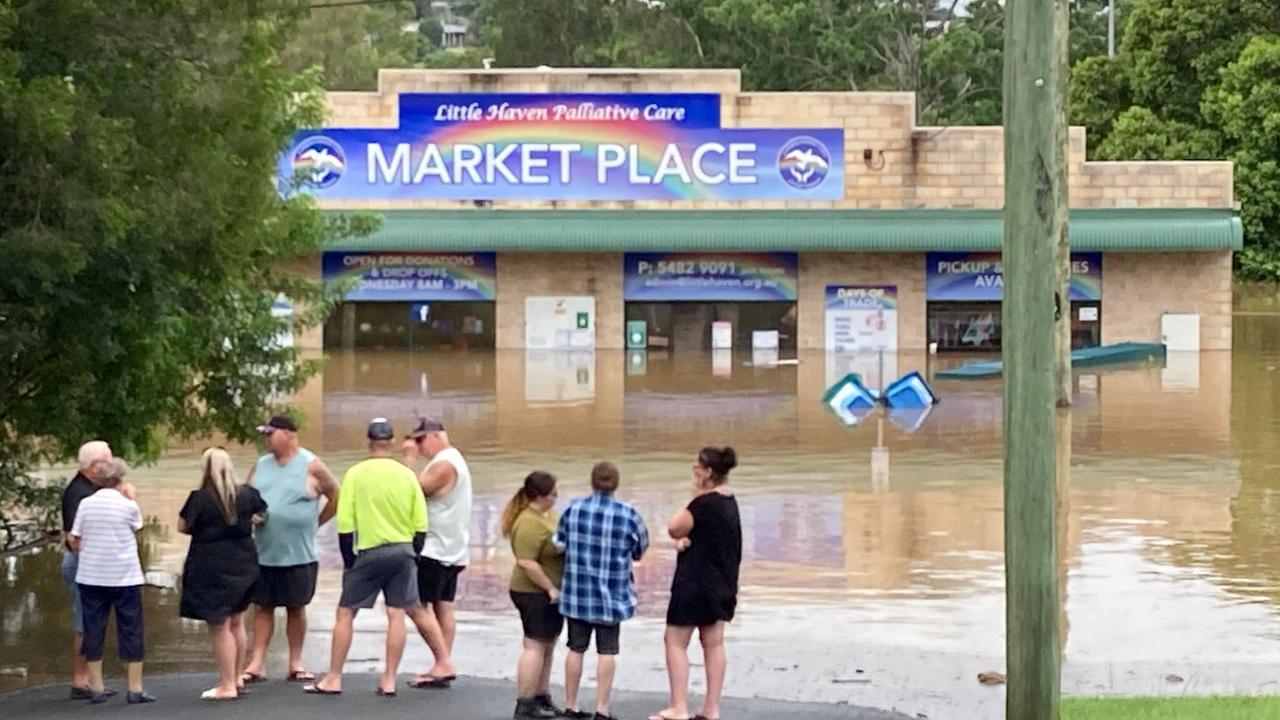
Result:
x=530 y=146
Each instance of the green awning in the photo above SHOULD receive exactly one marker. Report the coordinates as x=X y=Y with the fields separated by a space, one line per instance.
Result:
x=783 y=230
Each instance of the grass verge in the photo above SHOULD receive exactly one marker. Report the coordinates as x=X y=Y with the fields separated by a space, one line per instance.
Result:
x=1185 y=708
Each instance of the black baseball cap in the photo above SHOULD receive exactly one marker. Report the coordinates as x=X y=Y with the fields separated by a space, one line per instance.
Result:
x=279 y=422
x=380 y=429
x=424 y=427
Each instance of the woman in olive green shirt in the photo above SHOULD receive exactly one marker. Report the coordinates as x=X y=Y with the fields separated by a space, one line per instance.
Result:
x=530 y=522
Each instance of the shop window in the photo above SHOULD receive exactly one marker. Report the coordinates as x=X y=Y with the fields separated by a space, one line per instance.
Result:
x=976 y=327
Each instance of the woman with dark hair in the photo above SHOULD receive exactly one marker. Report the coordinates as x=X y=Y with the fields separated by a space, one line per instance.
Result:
x=704 y=591
x=530 y=522
x=222 y=564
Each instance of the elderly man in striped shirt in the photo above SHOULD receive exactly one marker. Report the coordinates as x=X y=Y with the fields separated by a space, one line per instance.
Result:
x=601 y=537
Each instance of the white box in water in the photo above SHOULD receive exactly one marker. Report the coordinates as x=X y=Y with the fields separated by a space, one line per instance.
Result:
x=764 y=340
x=1180 y=333
x=721 y=335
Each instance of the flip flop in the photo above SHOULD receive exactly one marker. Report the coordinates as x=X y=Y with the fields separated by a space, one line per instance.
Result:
x=301 y=676
x=317 y=690
x=660 y=716
x=384 y=693
x=252 y=678
x=433 y=683
x=212 y=696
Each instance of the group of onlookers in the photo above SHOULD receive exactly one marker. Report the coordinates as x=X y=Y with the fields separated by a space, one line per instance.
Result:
x=403 y=535
x=577 y=570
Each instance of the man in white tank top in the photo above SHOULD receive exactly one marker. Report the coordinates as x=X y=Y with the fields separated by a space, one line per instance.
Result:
x=446 y=481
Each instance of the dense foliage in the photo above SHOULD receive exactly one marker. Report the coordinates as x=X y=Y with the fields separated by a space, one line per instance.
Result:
x=1192 y=79
x=141 y=235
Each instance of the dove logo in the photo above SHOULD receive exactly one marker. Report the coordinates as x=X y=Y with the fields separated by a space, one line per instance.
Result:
x=804 y=162
x=319 y=161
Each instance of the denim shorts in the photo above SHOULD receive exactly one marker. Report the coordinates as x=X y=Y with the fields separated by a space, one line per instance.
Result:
x=71 y=563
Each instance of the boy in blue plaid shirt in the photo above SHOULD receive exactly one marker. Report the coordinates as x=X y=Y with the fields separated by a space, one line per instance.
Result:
x=601 y=537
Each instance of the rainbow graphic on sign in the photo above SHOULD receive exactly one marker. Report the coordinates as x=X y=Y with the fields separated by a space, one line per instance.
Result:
x=569 y=147
x=979 y=276
x=410 y=276
x=733 y=277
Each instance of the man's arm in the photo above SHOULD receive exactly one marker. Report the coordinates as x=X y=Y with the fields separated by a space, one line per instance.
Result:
x=642 y=537
x=326 y=485
x=438 y=479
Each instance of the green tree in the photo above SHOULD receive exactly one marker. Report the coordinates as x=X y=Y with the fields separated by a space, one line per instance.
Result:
x=350 y=43
x=1245 y=107
x=141 y=238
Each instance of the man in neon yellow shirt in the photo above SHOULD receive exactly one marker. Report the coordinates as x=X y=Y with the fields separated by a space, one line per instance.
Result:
x=382 y=522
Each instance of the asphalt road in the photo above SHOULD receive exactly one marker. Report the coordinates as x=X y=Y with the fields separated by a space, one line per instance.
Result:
x=469 y=699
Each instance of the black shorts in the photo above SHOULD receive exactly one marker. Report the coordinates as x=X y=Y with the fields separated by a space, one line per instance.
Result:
x=291 y=586
x=608 y=637
x=437 y=582
x=540 y=617
x=386 y=569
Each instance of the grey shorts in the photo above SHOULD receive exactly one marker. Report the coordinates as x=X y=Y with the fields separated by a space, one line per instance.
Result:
x=388 y=569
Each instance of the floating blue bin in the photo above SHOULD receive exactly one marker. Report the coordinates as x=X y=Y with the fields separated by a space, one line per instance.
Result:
x=909 y=391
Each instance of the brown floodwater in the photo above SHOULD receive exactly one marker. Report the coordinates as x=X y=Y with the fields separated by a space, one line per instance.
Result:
x=878 y=588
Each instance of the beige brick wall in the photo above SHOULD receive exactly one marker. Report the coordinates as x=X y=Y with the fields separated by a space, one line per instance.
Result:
x=521 y=275
x=909 y=167
x=1137 y=288
x=818 y=270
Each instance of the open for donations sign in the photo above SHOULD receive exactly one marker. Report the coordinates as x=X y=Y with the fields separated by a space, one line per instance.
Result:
x=862 y=318
x=586 y=146
x=408 y=276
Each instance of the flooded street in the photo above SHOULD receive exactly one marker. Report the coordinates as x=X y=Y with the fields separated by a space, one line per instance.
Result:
x=886 y=593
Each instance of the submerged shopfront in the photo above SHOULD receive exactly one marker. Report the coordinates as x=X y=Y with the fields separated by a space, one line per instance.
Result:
x=570 y=209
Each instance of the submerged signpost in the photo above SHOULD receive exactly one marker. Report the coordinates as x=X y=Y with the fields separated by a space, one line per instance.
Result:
x=1035 y=216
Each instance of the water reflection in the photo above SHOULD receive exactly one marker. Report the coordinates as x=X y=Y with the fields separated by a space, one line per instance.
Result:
x=892 y=529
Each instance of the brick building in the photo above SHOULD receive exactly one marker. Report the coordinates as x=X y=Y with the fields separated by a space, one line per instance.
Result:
x=905 y=209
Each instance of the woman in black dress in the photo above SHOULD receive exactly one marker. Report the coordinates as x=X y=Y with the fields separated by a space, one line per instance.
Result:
x=704 y=591
x=222 y=563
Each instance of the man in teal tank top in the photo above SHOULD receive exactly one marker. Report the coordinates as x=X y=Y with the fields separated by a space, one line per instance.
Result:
x=291 y=480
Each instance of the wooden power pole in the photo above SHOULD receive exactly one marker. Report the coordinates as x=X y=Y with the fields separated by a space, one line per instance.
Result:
x=1035 y=216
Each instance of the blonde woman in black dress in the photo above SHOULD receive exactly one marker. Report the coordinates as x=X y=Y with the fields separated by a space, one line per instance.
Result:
x=704 y=591
x=222 y=564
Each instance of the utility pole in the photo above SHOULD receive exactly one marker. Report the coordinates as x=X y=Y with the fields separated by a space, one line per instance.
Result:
x=1035 y=216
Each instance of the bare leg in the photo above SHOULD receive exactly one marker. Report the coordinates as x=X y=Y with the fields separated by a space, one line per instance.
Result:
x=242 y=644
x=95 y=676
x=544 y=680
x=677 y=643
x=425 y=621
x=79 y=666
x=572 y=679
x=133 y=671
x=395 y=648
x=224 y=654
x=343 y=628
x=295 y=630
x=529 y=670
x=264 y=626
x=448 y=623
x=716 y=660
x=606 y=666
